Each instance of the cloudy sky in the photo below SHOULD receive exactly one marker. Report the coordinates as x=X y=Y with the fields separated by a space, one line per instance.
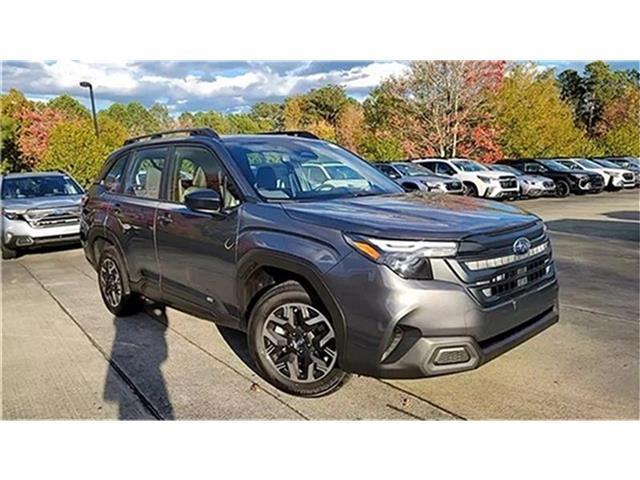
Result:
x=204 y=85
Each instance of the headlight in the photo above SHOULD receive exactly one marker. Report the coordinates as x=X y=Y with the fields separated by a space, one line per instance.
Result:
x=614 y=173
x=407 y=258
x=12 y=215
x=485 y=179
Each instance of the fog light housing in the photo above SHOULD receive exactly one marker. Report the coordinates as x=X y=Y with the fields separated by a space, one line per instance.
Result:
x=23 y=241
x=396 y=337
x=451 y=355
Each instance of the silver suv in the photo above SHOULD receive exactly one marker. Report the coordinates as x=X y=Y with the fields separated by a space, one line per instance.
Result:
x=37 y=209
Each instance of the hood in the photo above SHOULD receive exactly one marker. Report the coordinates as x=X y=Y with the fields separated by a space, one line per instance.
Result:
x=535 y=178
x=493 y=174
x=416 y=215
x=41 y=202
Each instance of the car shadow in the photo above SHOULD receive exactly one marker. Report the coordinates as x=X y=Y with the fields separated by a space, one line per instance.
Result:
x=43 y=249
x=138 y=351
x=237 y=341
x=610 y=230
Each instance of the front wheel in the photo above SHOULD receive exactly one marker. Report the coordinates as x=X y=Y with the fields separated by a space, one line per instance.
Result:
x=562 y=189
x=470 y=190
x=293 y=343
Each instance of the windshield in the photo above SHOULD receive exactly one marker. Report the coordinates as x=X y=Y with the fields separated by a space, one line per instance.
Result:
x=469 y=166
x=507 y=169
x=605 y=163
x=411 y=170
x=571 y=165
x=39 y=186
x=292 y=169
x=556 y=166
x=590 y=163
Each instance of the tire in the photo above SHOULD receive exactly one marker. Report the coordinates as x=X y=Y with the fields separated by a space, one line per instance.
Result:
x=470 y=190
x=562 y=189
x=114 y=287
x=283 y=344
x=8 y=253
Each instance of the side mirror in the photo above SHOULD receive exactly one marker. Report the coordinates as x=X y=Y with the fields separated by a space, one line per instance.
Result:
x=205 y=200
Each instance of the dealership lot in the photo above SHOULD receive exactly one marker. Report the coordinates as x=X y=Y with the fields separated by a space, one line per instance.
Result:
x=65 y=356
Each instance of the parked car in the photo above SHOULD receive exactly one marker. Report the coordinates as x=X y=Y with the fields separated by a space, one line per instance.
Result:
x=333 y=175
x=567 y=181
x=628 y=177
x=531 y=186
x=629 y=163
x=615 y=178
x=478 y=180
x=417 y=177
x=325 y=281
x=39 y=208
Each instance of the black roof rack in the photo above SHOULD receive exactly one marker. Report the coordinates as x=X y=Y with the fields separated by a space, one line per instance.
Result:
x=293 y=133
x=203 y=132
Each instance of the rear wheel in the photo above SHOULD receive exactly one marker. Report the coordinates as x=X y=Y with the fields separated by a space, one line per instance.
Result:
x=562 y=189
x=114 y=289
x=293 y=343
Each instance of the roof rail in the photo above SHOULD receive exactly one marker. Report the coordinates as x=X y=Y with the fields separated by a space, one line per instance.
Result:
x=293 y=133
x=204 y=132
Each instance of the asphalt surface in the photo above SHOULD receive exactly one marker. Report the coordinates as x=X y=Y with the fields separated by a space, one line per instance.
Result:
x=65 y=357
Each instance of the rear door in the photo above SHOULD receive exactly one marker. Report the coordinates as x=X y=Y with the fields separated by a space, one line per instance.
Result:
x=132 y=215
x=196 y=250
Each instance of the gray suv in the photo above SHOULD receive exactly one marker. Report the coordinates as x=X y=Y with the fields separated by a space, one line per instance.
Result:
x=39 y=208
x=326 y=278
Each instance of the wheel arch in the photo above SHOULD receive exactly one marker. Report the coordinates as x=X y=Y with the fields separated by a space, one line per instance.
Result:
x=261 y=269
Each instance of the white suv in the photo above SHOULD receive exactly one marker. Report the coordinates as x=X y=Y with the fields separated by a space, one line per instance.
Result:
x=614 y=176
x=478 y=180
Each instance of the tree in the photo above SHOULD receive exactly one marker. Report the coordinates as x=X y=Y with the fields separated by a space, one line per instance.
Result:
x=350 y=126
x=326 y=103
x=33 y=136
x=136 y=119
x=161 y=117
x=294 y=113
x=436 y=106
x=381 y=147
x=69 y=107
x=269 y=116
x=621 y=125
x=11 y=106
x=74 y=147
x=533 y=121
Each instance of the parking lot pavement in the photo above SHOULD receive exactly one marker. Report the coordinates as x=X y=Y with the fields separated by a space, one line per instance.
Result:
x=65 y=356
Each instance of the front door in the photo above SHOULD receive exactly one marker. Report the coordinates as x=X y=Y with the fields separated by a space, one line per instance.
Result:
x=196 y=250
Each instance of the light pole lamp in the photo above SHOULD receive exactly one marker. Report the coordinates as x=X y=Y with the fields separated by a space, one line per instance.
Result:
x=93 y=105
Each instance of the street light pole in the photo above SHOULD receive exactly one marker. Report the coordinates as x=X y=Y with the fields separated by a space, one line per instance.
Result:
x=93 y=105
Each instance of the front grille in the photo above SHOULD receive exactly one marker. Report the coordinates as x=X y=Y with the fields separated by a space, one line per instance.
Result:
x=548 y=184
x=514 y=280
x=509 y=183
x=453 y=186
x=597 y=181
x=627 y=176
x=53 y=217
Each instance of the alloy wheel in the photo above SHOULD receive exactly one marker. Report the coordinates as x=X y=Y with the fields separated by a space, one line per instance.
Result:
x=110 y=282
x=299 y=342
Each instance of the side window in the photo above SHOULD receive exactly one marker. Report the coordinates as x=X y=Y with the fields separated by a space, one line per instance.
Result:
x=112 y=181
x=444 y=169
x=197 y=169
x=389 y=171
x=145 y=173
x=533 y=168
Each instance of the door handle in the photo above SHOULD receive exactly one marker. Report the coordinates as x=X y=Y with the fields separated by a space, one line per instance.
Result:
x=166 y=219
x=116 y=209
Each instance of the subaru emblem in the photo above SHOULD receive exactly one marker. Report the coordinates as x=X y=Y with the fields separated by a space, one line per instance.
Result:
x=521 y=246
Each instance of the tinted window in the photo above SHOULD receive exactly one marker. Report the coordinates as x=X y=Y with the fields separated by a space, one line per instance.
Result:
x=442 y=168
x=113 y=179
x=145 y=173
x=533 y=168
x=412 y=170
x=39 y=186
x=469 y=166
x=198 y=169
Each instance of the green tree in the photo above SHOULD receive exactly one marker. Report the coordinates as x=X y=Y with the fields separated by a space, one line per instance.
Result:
x=533 y=121
x=326 y=103
x=162 y=118
x=12 y=105
x=134 y=117
x=69 y=107
x=269 y=116
x=381 y=148
x=73 y=147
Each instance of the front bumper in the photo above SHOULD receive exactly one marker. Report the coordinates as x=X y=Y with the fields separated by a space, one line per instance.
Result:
x=495 y=190
x=430 y=316
x=20 y=234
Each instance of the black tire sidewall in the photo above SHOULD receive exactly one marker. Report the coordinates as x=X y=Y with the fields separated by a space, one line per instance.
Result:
x=565 y=188
x=130 y=303
x=472 y=190
x=288 y=292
